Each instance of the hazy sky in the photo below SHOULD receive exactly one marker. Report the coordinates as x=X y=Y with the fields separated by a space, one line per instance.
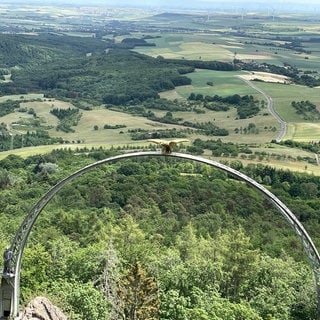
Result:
x=276 y=5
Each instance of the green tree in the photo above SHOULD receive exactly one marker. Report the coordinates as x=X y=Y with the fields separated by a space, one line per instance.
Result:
x=139 y=295
x=82 y=300
x=35 y=266
x=209 y=305
x=4 y=179
x=239 y=262
x=131 y=241
x=174 y=306
x=282 y=287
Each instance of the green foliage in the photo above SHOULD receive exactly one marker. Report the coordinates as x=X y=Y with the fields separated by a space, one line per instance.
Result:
x=214 y=307
x=208 y=128
x=22 y=50
x=4 y=179
x=188 y=224
x=211 y=65
x=30 y=139
x=133 y=42
x=138 y=294
x=12 y=161
x=117 y=77
x=140 y=134
x=246 y=105
x=8 y=107
x=164 y=104
x=240 y=262
x=68 y=118
x=307 y=109
x=35 y=265
x=310 y=146
x=277 y=300
x=81 y=300
x=218 y=148
x=117 y=126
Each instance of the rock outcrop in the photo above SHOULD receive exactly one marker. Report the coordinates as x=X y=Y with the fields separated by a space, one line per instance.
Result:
x=41 y=308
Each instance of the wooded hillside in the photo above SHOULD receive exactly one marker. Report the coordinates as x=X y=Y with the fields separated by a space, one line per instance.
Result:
x=188 y=240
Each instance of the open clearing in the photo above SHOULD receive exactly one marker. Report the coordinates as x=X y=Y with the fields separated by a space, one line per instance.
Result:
x=86 y=133
x=191 y=51
x=282 y=96
x=224 y=84
x=303 y=132
x=190 y=46
x=266 y=77
x=297 y=166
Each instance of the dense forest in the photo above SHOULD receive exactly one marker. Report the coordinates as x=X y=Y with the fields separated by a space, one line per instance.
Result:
x=188 y=241
x=96 y=70
x=99 y=70
x=116 y=77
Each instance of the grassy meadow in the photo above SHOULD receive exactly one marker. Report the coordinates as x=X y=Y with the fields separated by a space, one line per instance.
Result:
x=298 y=128
x=217 y=40
x=84 y=132
x=224 y=84
x=187 y=47
x=218 y=43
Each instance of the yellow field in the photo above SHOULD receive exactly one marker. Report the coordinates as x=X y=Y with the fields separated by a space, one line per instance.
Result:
x=86 y=136
x=191 y=50
x=31 y=151
x=297 y=166
x=303 y=132
x=85 y=132
x=21 y=97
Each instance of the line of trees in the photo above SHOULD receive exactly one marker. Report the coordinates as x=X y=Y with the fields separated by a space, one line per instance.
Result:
x=68 y=118
x=307 y=109
x=246 y=105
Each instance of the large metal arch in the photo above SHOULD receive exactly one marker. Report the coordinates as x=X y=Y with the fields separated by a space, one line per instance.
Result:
x=11 y=281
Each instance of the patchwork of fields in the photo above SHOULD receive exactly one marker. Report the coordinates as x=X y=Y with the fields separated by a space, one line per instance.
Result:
x=212 y=38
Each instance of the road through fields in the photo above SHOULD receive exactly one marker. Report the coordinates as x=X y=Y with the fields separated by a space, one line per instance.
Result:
x=283 y=124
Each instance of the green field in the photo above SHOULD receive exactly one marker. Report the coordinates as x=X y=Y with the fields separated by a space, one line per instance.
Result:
x=213 y=46
x=84 y=132
x=224 y=84
x=188 y=47
x=221 y=44
x=212 y=37
x=197 y=241
x=283 y=95
x=303 y=131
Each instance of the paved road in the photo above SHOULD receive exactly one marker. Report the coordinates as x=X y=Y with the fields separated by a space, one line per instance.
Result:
x=283 y=124
x=317 y=159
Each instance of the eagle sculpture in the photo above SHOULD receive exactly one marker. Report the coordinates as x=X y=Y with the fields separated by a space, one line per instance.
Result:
x=167 y=146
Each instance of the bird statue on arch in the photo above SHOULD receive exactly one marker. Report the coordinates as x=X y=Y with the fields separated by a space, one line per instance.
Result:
x=167 y=146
